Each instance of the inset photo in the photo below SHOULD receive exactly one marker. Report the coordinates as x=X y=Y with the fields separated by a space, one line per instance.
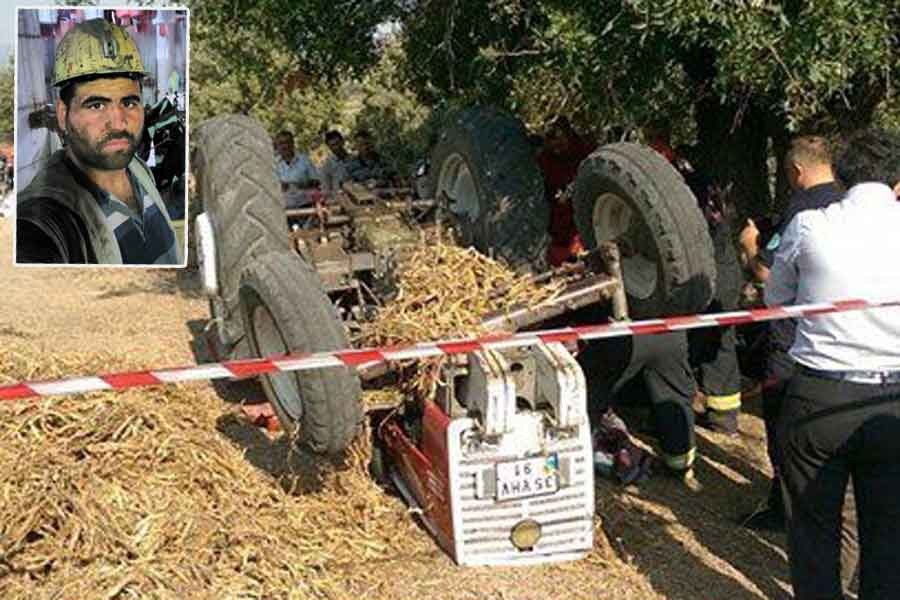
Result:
x=101 y=136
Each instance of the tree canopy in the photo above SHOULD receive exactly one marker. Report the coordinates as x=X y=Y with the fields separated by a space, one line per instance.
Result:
x=804 y=58
x=739 y=76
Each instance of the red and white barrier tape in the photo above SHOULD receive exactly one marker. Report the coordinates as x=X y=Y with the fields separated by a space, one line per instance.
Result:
x=370 y=356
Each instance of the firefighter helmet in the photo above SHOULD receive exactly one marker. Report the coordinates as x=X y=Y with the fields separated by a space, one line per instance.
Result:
x=96 y=47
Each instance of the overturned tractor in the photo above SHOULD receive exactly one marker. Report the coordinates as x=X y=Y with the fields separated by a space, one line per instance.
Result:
x=499 y=458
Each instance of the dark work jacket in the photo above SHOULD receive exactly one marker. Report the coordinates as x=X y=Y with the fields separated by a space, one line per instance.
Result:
x=59 y=218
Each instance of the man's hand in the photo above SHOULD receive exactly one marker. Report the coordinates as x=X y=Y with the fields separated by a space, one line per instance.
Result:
x=749 y=252
x=749 y=239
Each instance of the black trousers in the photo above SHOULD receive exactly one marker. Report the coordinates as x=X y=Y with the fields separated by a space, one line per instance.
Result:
x=772 y=403
x=713 y=356
x=660 y=363
x=829 y=432
x=777 y=373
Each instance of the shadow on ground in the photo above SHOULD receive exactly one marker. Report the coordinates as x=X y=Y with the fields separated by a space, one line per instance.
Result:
x=689 y=542
x=297 y=470
x=183 y=282
x=232 y=391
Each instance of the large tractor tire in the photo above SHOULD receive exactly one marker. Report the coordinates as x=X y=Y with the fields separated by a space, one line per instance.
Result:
x=270 y=301
x=485 y=164
x=629 y=193
x=285 y=309
x=234 y=170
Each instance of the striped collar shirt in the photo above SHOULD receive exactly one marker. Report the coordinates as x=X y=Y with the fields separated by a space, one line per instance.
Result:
x=145 y=237
x=848 y=249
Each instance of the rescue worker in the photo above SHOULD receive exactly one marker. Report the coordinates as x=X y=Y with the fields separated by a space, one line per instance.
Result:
x=712 y=351
x=654 y=364
x=95 y=201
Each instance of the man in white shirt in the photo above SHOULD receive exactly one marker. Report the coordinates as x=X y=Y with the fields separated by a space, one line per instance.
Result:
x=841 y=412
x=334 y=171
x=295 y=171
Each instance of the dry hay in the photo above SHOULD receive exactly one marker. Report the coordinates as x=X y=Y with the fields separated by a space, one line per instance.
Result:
x=164 y=493
x=445 y=291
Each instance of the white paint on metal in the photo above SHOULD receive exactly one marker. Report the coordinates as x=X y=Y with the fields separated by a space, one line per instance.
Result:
x=206 y=254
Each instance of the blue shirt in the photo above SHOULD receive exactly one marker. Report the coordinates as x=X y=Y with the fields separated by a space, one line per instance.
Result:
x=847 y=250
x=781 y=333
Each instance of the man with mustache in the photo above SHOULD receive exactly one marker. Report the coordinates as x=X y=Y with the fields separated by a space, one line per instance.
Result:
x=95 y=201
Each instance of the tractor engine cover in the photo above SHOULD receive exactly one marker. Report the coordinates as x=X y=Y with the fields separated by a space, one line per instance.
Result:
x=502 y=468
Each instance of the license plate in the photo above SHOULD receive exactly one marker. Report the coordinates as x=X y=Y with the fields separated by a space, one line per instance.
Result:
x=527 y=477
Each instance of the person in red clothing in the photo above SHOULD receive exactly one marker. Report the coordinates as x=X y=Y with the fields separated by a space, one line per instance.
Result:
x=659 y=137
x=562 y=153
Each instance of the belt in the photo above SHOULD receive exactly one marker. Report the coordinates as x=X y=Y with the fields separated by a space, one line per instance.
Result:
x=870 y=377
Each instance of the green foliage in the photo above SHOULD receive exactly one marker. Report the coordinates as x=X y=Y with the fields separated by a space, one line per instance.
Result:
x=590 y=73
x=628 y=60
x=400 y=124
x=470 y=51
x=740 y=75
x=601 y=61
x=377 y=101
x=6 y=99
x=324 y=38
x=888 y=114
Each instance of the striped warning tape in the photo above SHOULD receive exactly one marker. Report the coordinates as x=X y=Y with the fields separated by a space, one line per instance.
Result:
x=371 y=356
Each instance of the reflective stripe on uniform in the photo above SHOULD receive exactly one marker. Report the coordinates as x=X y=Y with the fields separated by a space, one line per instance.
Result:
x=732 y=402
x=680 y=462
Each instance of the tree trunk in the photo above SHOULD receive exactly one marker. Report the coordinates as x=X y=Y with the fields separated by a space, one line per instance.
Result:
x=781 y=139
x=733 y=142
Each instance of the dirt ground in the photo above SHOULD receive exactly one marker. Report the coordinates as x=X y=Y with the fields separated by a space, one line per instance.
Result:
x=658 y=540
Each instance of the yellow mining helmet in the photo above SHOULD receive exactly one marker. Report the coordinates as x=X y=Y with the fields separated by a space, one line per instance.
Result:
x=96 y=47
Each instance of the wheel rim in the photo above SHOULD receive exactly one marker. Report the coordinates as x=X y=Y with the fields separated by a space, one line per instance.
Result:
x=615 y=220
x=457 y=182
x=284 y=387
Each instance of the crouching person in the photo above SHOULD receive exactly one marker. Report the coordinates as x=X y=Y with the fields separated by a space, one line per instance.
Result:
x=660 y=364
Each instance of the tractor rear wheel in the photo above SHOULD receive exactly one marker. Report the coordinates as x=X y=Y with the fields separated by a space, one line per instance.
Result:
x=486 y=166
x=630 y=194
